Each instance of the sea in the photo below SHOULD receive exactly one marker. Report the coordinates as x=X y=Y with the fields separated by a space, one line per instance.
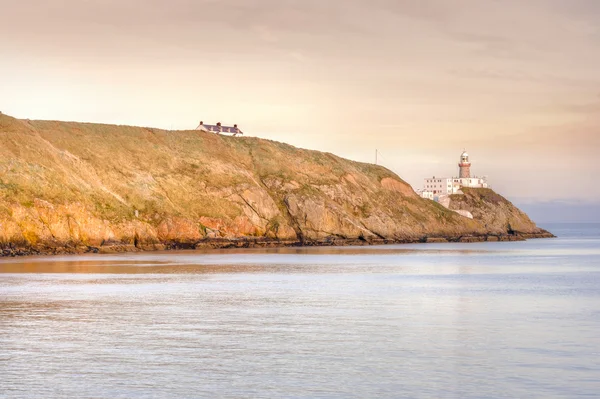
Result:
x=454 y=320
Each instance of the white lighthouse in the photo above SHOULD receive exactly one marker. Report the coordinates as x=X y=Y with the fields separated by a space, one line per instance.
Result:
x=437 y=188
x=464 y=166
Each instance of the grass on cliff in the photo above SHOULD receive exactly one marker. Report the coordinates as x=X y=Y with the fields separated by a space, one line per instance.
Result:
x=482 y=194
x=115 y=170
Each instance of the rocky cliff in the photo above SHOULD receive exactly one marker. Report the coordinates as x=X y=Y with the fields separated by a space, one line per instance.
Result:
x=498 y=216
x=72 y=187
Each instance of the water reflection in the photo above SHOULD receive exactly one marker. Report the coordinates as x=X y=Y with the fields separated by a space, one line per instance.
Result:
x=507 y=321
x=309 y=259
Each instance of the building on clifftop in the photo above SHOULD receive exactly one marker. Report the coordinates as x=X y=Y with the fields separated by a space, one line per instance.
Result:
x=436 y=188
x=220 y=129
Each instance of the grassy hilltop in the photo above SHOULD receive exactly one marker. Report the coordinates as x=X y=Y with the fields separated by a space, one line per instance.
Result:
x=79 y=186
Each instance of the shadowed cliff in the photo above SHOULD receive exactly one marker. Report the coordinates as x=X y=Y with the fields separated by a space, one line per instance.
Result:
x=71 y=187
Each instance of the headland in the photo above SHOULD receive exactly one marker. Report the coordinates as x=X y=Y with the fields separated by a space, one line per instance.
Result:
x=69 y=187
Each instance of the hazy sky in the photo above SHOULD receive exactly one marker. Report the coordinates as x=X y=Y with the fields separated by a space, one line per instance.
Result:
x=515 y=82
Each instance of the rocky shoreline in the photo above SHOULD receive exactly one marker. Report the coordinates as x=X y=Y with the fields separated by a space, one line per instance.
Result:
x=92 y=188
x=14 y=250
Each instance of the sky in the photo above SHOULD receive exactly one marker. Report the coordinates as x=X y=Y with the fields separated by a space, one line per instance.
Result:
x=515 y=83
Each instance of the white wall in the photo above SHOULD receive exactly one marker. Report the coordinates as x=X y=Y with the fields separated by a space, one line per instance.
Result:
x=442 y=185
x=426 y=194
x=476 y=182
x=439 y=185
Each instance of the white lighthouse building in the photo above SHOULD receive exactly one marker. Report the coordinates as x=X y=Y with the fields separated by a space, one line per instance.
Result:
x=436 y=188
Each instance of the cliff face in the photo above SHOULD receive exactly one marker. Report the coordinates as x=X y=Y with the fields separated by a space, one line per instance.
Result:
x=78 y=186
x=497 y=215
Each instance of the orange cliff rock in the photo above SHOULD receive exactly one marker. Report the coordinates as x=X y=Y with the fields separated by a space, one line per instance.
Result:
x=75 y=187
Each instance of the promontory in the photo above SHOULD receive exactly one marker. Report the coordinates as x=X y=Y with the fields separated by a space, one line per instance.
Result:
x=79 y=187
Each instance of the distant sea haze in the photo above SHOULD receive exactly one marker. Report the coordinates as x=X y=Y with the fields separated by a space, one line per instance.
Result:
x=561 y=212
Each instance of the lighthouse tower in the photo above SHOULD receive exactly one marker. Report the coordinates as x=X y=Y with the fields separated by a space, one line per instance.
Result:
x=464 y=166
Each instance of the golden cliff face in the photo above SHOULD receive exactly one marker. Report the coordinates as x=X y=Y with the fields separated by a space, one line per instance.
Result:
x=497 y=214
x=78 y=186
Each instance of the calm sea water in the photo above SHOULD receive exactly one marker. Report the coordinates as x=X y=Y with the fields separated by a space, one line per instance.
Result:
x=484 y=320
